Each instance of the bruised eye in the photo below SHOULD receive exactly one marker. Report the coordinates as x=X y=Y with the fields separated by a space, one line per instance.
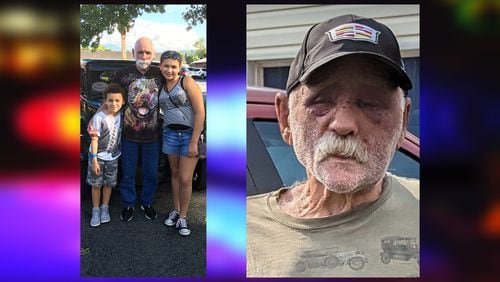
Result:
x=319 y=109
x=319 y=105
x=366 y=104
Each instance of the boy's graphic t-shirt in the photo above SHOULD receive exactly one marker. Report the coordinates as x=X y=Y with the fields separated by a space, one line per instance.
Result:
x=108 y=129
x=140 y=123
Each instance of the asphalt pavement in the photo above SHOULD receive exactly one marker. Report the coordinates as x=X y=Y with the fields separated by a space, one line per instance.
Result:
x=142 y=247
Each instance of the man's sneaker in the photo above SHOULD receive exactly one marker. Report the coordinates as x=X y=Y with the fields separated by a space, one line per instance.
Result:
x=96 y=217
x=127 y=214
x=149 y=212
x=105 y=214
x=172 y=218
x=182 y=225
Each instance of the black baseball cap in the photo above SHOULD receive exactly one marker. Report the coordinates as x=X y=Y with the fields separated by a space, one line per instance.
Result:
x=342 y=36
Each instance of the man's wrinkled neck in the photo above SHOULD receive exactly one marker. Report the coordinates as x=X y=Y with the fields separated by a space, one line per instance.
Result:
x=311 y=199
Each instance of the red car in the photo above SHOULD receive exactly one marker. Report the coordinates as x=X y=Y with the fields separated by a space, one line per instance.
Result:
x=271 y=163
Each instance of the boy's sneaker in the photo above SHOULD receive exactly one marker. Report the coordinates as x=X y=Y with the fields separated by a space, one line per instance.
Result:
x=182 y=225
x=105 y=214
x=172 y=218
x=127 y=214
x=96 y=217
x=149 y=212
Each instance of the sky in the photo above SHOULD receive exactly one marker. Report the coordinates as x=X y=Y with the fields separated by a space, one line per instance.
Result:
x=167 y=30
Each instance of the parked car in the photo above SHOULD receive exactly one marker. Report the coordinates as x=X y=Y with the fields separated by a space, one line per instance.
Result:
x=203 y=72
x=95 y=74
x=271 y=163
x=331 y=257
x=399 y=248
x=197 y=72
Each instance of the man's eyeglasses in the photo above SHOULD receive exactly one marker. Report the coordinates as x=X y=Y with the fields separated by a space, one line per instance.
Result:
x=171 y=55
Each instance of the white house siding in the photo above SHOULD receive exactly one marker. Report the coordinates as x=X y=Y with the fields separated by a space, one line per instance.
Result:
x=275 y=32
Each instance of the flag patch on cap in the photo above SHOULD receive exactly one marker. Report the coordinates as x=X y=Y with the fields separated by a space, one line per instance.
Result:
x=353 y=31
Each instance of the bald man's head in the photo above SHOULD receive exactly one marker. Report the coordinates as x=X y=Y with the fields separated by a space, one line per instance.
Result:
x=143 y=53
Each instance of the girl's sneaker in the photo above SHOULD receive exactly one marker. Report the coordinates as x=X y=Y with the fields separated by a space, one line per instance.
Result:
x=172 y=218
x=183 y=227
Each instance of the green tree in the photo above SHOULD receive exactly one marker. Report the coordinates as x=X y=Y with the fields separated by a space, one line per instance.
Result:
x=196 y=14
x=95 y=19
x=190 y=57
x=201 y=51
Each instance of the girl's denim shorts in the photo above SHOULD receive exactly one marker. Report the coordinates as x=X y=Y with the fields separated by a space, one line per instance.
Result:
x=176 y=142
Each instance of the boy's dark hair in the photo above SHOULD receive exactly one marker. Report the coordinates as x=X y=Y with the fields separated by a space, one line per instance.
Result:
x=113 y=88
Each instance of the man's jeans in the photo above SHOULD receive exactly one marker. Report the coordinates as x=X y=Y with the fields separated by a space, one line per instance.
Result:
x=150 y=158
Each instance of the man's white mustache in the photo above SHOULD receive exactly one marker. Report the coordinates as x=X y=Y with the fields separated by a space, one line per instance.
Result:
x=143 y=63
x=348 y=147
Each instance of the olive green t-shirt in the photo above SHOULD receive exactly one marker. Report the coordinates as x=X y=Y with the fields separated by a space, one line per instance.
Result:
x=379 y=239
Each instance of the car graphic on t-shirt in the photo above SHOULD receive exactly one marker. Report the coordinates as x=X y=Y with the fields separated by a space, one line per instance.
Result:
x=331 y=257
x=399 y=248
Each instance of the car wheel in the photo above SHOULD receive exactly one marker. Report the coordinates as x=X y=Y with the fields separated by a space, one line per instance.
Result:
x=300 y=266
x=385 y=258
x=200 y=175
x=356 y=263
x=331 y=262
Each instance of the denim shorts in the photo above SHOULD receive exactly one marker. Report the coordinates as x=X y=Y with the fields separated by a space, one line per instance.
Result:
x=176 y=142
x=108 y=175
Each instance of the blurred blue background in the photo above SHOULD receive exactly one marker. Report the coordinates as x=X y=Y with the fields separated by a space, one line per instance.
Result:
x=39 y=175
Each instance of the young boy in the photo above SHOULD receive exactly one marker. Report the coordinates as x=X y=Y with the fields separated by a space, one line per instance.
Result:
x=105 y=131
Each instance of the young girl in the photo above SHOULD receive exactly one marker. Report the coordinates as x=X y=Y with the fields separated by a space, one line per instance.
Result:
x=105 y=131
x=182 y=104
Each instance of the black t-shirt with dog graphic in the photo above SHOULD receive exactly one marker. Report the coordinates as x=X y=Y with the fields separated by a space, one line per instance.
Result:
x=140 y=123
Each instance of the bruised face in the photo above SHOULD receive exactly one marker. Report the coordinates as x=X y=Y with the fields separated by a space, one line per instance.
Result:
x=346 y=123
